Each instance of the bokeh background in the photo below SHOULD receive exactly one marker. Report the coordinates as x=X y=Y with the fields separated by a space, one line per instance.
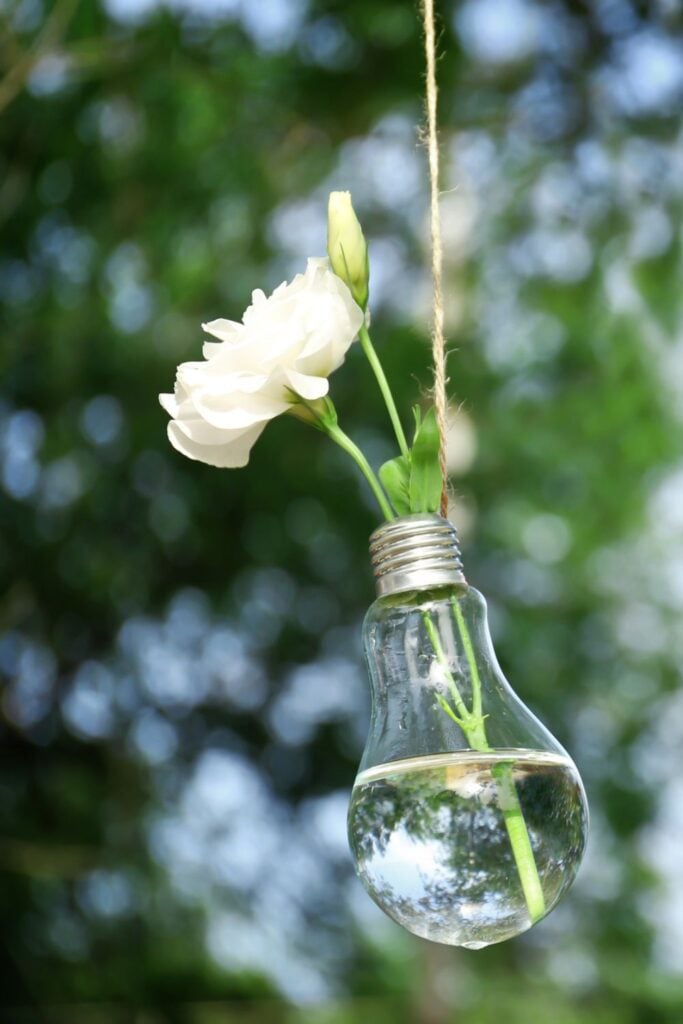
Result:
x=183 y=697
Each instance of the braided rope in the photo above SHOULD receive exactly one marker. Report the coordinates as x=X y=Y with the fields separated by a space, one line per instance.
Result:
x=438 y=341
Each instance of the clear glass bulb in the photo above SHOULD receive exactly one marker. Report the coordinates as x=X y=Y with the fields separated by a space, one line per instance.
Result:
x=467 y=820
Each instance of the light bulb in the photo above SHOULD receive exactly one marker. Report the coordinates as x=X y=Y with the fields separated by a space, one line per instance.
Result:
x=467 y=820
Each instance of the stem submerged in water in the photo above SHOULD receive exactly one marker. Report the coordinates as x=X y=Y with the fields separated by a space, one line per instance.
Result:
x=508 y=801
x=472 y=723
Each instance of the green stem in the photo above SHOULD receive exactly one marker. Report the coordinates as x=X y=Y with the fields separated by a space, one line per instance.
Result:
x=334 y=431
x=518 y=833
x=460 y=705
x=469 y=654
x=373 y=359
x=472 y=725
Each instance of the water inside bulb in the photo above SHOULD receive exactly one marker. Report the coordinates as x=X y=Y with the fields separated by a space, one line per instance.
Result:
x=433 y=841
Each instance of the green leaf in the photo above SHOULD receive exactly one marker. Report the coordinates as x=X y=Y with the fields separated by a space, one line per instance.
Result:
x=425 y=475
x=395 y=478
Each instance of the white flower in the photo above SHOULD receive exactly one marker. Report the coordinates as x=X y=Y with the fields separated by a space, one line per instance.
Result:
x=286 y=346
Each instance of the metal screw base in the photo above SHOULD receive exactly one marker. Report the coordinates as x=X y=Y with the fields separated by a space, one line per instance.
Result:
x=415 y=553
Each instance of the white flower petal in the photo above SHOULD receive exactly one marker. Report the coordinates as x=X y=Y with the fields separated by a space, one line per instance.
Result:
x=169 y=403
x=238 y=410
x=196 y=378
x=172 y=403
x=225 y=330
x=315 y=263
x=232 y=453
x=306 y=386
x=198 y=430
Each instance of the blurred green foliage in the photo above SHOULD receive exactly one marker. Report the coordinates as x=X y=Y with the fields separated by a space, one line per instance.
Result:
x=183 y=698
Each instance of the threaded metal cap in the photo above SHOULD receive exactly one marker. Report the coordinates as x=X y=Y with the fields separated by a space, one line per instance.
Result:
x=415 y=553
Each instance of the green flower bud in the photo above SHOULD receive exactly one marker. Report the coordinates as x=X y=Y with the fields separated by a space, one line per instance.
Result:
x=346 y=246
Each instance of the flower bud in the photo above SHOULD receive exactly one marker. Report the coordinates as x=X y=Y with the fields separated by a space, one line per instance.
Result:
x=346 y=246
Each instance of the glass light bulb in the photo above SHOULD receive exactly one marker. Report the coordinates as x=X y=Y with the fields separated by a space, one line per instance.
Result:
x=468 y=820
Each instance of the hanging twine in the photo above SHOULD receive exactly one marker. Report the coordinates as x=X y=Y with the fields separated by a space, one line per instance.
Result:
x=438 y=341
